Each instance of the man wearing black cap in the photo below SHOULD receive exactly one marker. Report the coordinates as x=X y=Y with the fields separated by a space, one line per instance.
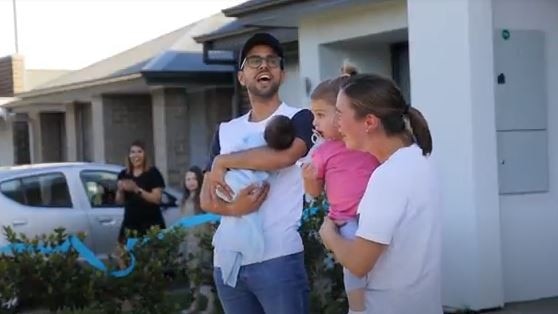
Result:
x=277 y=283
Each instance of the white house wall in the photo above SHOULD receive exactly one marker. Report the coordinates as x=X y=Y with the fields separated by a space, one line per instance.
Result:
x=451 y=66
x=291 y=89
x=6 y=144
x=320 y=29
x=372 y=59
x=530 y=222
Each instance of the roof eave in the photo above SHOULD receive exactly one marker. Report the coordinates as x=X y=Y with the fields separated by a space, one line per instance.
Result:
x=211 y=37
x=237 y=11
x=181 y=77
x=78 y=85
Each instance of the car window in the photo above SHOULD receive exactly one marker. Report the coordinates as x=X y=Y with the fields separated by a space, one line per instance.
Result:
x=45 y=190
x=13 y=190
x=100 y=187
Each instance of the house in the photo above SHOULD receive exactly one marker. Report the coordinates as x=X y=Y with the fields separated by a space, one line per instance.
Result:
x=160 y=92
x=484 y=73
x=16 y=78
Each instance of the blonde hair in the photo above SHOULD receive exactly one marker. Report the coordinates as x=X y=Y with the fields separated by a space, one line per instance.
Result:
x=348 y=69
x=327 y=90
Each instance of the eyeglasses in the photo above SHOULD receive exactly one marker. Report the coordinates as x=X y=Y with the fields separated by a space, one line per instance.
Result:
x=255 y=62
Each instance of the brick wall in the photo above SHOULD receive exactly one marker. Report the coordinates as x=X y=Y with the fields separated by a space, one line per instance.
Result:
x=244 y=101
x=176 y=115
x=219 y=102
x=12 y=72
x=219 y=107
x=126 y=118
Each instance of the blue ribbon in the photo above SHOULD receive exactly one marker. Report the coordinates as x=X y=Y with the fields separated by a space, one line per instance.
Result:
x=41 y=248
x=90 y=257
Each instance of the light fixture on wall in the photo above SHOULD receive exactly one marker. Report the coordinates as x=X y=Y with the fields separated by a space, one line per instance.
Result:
x=6 y=115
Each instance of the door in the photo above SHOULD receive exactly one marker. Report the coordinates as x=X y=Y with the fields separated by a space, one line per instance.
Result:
x=22 y=152
x=39 y=204
x=53 y=136
x=105 y=216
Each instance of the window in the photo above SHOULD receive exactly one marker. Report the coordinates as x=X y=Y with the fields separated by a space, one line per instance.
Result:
x=400 y=68
x=13 y=190
x=45 y=190
x=100 y=187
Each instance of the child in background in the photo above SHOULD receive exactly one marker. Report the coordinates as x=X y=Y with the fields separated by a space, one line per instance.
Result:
x=342 y=173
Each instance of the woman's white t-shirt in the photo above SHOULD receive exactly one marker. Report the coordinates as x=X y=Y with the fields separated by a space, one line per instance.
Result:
x=401 y=209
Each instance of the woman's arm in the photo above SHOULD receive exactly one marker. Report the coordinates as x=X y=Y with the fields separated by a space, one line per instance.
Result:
x=119 y=198
x=359 y=255
x=312 y=185
x=153 y=197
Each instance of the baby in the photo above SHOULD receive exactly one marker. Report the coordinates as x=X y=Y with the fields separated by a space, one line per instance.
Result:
x=279 y=134
x=247 y=246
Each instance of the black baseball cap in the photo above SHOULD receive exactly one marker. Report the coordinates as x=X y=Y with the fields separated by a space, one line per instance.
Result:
x=265 y=39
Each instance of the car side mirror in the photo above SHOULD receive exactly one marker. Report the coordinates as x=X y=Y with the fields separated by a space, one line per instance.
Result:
x=167 y=201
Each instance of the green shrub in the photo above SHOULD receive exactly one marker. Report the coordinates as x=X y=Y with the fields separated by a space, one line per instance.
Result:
x=59 y=281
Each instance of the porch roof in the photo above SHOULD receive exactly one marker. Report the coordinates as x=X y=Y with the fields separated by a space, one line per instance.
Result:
x=279 y=17
x=230 y=29
x=256 y=5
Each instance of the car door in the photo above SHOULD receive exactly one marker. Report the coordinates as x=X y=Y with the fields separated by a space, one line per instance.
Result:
x=170 y=206
x=104 y=214
x=39 y=203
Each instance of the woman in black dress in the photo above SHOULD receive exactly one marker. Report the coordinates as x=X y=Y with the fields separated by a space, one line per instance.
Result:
x=140 y=187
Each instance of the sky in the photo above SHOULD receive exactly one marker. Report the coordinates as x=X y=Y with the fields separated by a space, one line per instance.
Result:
x=71 y=34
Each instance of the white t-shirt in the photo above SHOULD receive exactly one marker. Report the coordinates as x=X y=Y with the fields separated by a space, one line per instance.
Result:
x=282 y=209
x=401 y=209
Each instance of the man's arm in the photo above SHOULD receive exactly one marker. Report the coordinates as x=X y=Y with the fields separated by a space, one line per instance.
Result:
x=267 y=159
x=248 y=199
x=263 y=158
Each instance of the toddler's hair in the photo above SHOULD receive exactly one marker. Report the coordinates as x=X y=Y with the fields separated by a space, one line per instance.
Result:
x=328 y=89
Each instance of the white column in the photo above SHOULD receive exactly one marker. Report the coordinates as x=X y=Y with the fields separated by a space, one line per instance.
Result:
x=160 y=130
x=35 y=141
x=98 y=128
x=6 y=143
x=71 y=137
x=451 y=63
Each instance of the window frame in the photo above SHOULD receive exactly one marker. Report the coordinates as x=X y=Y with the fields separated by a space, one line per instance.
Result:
x=21 y=179
x=83 y=183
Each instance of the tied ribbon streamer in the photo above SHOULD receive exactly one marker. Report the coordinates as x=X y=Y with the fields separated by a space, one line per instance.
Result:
x=89 y=256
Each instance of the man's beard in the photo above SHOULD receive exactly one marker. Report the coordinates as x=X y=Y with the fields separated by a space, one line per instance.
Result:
x=264 y=93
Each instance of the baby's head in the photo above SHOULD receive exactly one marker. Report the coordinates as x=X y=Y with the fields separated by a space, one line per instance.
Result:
x=279 y=132
x=323 y=100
